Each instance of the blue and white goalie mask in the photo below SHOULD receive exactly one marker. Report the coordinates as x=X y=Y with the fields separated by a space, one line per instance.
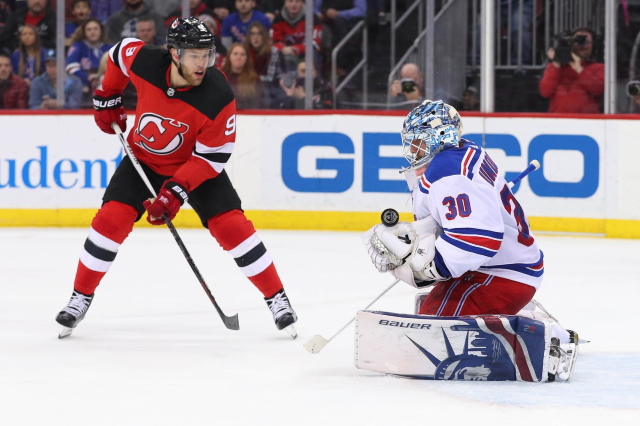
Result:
x=429 y=128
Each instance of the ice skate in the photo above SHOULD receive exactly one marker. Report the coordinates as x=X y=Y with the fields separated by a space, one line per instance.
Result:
x=73 y=313
x=562 y=360
x=283 y=314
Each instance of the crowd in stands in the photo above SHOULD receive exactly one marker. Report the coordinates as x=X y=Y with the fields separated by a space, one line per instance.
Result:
x=260 y=46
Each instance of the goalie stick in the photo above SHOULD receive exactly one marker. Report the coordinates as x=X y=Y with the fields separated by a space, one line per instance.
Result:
x=317 y=342
x=533 y=165
x=230 y=322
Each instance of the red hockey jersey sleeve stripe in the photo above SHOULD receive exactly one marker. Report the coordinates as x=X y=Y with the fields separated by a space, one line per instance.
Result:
x=212 y=149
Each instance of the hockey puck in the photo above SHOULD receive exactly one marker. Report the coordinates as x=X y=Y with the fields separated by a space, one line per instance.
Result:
x=390 y=217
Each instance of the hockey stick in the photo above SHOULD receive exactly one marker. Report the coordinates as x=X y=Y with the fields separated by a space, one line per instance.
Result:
x=533 y=165
x=230 y=322
x=317 y=342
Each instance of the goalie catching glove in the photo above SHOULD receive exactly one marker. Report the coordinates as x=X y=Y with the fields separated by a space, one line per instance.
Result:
x=170 y=198
x=407 y=250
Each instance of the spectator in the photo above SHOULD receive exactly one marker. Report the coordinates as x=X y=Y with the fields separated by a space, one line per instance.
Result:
x=103 y=9
x=164 y=7
x=84 y=55
x=146 y=31
x=206 y=15
x=196 y=8
x=14 y=91
x=81 y=11
x=288 y=32
x=42 y=94
x=470 y=99
x=36 y=14
x=295 y=93
x=221 y=8
x=265 y=57
x=407 y=92
x=53 y=4
x=28 y=59
x=577 y=86
x=243 y=78
x=235 y=26
x=5 y=12
x=122 y=24
x=271 y=8
x=341 y=16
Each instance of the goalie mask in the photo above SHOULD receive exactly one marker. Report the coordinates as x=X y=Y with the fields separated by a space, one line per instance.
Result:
x=191 y=33
x=431 y=127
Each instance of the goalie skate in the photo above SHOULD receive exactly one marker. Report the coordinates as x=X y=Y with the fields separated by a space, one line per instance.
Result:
x=73 y=313
x=283 y=314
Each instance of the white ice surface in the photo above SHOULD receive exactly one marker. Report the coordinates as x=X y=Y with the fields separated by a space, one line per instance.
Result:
x=152 y=350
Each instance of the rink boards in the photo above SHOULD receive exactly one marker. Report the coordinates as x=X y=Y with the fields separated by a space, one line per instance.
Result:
x=336 y=171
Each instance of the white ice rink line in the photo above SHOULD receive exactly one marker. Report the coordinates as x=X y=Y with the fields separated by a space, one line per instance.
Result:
x=152 y=351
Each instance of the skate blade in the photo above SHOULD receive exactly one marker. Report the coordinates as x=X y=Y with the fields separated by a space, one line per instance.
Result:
x=315 y=344
x=291 y=330
x=64 y=332
x=570 y=365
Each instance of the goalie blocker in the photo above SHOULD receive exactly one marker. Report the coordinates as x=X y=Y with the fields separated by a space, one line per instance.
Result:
x=484 y=347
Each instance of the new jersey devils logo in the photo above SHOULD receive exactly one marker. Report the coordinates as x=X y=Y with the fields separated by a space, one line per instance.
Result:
x=160 y=135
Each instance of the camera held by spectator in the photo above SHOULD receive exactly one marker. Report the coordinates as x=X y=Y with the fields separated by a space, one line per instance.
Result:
x=408 y=85
x=633 y=88
x=563 y=44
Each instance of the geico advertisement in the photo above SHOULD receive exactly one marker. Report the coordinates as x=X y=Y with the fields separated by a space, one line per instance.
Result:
x=326 y=163
x=351 y=163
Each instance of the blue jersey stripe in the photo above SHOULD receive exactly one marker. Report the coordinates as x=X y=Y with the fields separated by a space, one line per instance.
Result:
x=476 y=231
x=441 y=266
x=468 y=247
x=523 y=268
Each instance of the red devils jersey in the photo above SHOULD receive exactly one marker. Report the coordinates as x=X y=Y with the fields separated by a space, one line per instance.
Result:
x=283 y=34
x=188 y=133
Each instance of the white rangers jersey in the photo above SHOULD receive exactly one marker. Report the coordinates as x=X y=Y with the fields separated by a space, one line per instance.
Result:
x=484 y=226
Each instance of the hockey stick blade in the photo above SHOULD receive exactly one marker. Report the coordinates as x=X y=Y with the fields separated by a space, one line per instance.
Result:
x=315 y=344
x=231 y=322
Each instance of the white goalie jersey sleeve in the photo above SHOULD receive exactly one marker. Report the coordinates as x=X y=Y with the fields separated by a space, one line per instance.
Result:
x=484 y=227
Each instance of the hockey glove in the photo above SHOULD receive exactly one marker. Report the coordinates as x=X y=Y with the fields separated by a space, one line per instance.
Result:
x=108 y=110
x=389 y=246
x=170 y=198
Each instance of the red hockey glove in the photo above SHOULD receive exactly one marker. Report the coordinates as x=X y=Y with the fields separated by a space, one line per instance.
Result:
x=108 y=109
x=170 y=198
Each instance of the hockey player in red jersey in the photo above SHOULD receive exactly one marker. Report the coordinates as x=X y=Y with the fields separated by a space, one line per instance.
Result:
x=184 y=133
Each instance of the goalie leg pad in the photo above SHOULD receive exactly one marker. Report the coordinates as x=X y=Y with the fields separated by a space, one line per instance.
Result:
x=487 y=347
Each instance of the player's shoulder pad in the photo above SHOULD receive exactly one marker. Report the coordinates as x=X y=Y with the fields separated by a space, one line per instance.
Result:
x=454 y=162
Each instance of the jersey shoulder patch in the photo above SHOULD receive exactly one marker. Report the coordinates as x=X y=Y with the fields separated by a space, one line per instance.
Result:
x=454 y=162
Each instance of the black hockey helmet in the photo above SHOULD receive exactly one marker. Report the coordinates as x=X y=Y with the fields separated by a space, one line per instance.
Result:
x=190 y=33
